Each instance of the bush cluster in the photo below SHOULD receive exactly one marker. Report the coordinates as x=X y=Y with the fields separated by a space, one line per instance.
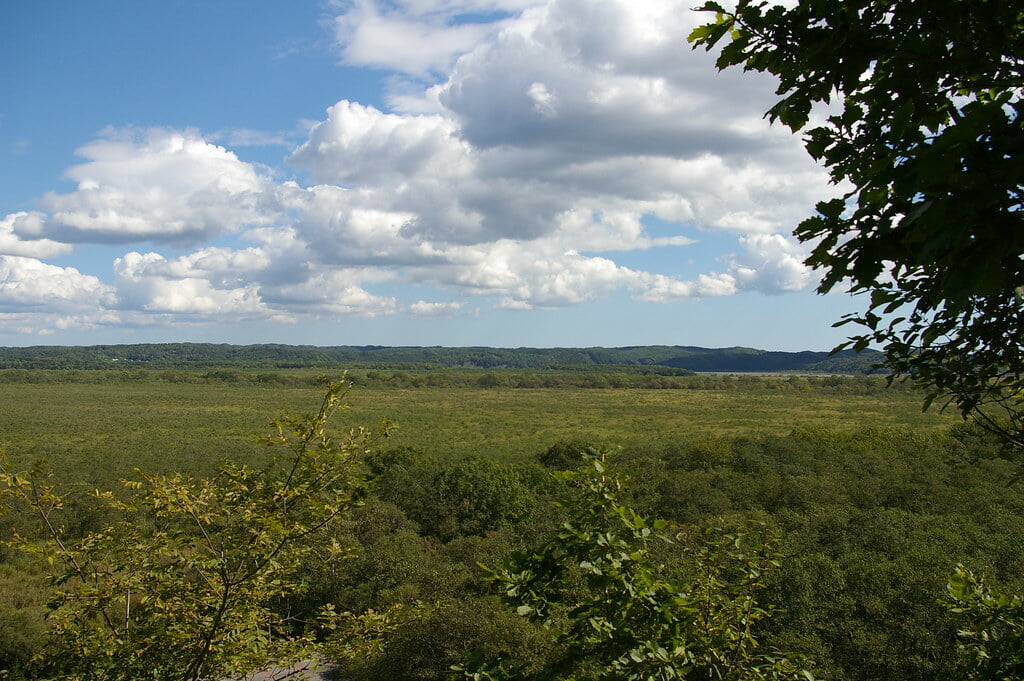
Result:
x=873 y=523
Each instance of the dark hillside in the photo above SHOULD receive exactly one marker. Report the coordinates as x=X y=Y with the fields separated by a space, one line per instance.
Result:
x=200 y=355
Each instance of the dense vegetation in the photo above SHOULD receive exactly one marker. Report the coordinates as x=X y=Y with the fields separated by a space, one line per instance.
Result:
x=872 y=519
x=916 y=111
x=100 y=425
x=180 y=575
x=663 y=359
x=878 y=553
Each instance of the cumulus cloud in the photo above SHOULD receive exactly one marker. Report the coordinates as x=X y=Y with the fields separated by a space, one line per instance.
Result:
x=624 y=78
x=246 y=284
x=571 y=103
x=415 y=36
x=332 y=293
x=527 y=278
x=767 y=263
x=772 y=263
x=151 y=283
x=160 y=185
x=559 y=133
x=541 y=139
x=30 y=284
x=658 y=288
x=27 y=223
x=358 y=144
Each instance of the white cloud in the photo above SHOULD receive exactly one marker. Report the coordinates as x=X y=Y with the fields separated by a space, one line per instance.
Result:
x=160 y=185
x=335 y=227
x=625 y=79
x=334 y=292
x=526 y=278
x=558 y=134
x=47 y=323
x=229 y=285
x=554 y=130
x=358 y=144
x=658 y=288
x=223 y=268
x=28 y=283
x=150 y=283
x=772 y=263
x=571 y=103
x=27 y=223
x=384 y=42
x=422 y=308
x=417 y=37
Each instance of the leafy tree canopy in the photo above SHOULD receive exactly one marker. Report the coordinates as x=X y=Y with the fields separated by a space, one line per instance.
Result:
x=615 y=613
x=922 y=131
x=182 y=585
x=993 y=638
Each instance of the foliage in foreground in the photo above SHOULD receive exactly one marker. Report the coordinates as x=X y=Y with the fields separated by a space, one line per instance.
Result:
x=178 y=585
x=874 y=522
x=993 y=632
x=615 y=613
x=926 y=132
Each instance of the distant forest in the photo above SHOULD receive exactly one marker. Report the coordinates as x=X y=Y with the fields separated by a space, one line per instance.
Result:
x=682 y=359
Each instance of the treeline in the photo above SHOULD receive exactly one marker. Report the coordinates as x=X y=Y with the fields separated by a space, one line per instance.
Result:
x=873 y=525
x=193 y=355
x=623 y=377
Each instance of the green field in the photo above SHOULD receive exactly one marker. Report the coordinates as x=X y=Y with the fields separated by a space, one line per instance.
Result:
x=102 y=430
x=877 y=502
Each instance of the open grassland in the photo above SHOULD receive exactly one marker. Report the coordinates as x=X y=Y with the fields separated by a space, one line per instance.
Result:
x=105 y=430
x=875 y=505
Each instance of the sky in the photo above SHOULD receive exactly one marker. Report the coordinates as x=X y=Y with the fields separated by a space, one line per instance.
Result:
x=508 y=173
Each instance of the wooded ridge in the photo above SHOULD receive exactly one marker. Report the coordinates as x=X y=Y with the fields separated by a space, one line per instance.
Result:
x=182 y=355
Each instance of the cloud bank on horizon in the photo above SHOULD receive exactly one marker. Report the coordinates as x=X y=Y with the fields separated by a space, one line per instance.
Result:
x=525 y=146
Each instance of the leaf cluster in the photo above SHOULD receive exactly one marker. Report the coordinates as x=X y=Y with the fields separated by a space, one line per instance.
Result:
x=993 y=638
x=180 y=584
x=613 y=610
x=917 y=113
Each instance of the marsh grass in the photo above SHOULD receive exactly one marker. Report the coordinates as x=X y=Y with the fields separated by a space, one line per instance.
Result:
x=102 y=431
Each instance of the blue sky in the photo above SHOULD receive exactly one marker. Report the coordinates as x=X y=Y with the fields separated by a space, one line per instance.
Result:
x=428 y=172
